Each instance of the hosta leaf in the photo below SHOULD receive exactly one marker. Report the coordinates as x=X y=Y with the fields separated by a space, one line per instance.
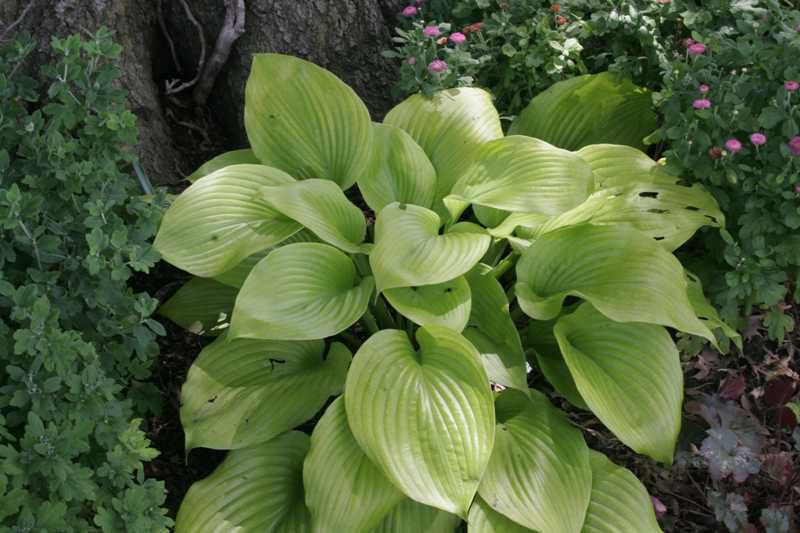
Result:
x=706 y=312
x=415 y=517
x=322 y=207
x=300 y=291
x=521 y=174
x=345 y=491
x=493 y=333
x=542 y=341
x=202 y=306
x=304 y=120
x=444 y=304
x=221 y=219
x=484 y=519
x=242 y=392
x=409 y=251
x=620 y=503
x=425 y=417
x=489 y=216
x=254 y=489
x=539 y=473
x=616 y=165
x=589 y=109
x=530 y=222
x=234 y=157
x=629 y=375
x=627 y=276
x=401 y=171
x=449 y=127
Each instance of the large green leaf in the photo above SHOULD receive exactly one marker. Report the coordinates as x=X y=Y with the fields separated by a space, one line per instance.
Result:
x=484 y=519
x=409 y=251
x=706 y=312
x=539 y=473
x=345 y=491
x=493 y=333
x=322 y=207
x=413 y=517
x=444 y=304
x=616 y=165
x=304 y=120
x=242 y=392
x=620 y=503
x=300 y=291
x=630 y=376
x=542 y=341
x=449 y=127
x=425 y=417
x=401 y=171
x=589 y=109
x=257 y=489
x=234 y=157
x=221 y=219
x=521 y=174
x=202 y=306
x=627 y=276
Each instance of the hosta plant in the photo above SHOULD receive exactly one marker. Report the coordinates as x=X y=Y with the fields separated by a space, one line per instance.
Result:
x=488 y=256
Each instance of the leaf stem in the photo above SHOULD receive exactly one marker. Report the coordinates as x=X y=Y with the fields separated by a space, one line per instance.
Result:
x=383 y=314
x=505 y=265
x=369 y=322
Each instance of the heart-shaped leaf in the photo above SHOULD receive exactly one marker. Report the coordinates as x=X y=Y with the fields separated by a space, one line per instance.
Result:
x=400 y=172
x=521 y=174
x=322 y=207
x=493 y=333
x=242 y=392
x=629 y=374
x=221 y=219
x=409 y=251
x=620 y=503
x=589 y=109
x=234 y=157
x=449 y=127
x=425 y=417
x=345 y=491
x=484 y=519
x=254 y=489
x=413 y=516
x=304 y=120
x=539 y=473
x=624 y=274
x=300 y=291
x=616 y=165
x=202 y=306
x=444 y=304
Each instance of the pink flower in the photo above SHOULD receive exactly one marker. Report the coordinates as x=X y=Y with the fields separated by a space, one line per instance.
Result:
x=791 y=86
x=701 y=103
x=687 y=42
x=705 y=88
x=696 y=49
x=409 y=11
x=431 y=31
x=412 y=60
x=733 y=145
x=758 y=139
x=437 y=65
x=458 y=38
x=797 y=186
x=794 y=145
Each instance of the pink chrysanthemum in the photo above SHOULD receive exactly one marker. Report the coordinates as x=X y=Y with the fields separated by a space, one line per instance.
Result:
x=791 y=86
x=701 y=103
x=794 y=145
x=458 y=38
x=436 y=66
x=696 y=49
x=431 y=31
x=733 y=145
x=758 y=139
x=409 y=11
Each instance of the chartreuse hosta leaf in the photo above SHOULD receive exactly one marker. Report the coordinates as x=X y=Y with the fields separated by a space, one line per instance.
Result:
x=300 y=291
x=415 y=517
x=484 y=519
x=444 y=304
x=521 y=174
x=589 y=109
x=493 y=333
x=706 y=312
x=345 y=491
x=626 y=275
x=221 y=219
x=242 y=392
x=202 y=306
x=620 y=503
x=424 y=417
x=542 y=341
x=234 y=157
x=304 y=120
x=449 y=127
x=400 y=171
x=616 y=165
x=322 y=207
x=254 y=489
x=629 y=374
x=409 y=251
x=539 y=474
